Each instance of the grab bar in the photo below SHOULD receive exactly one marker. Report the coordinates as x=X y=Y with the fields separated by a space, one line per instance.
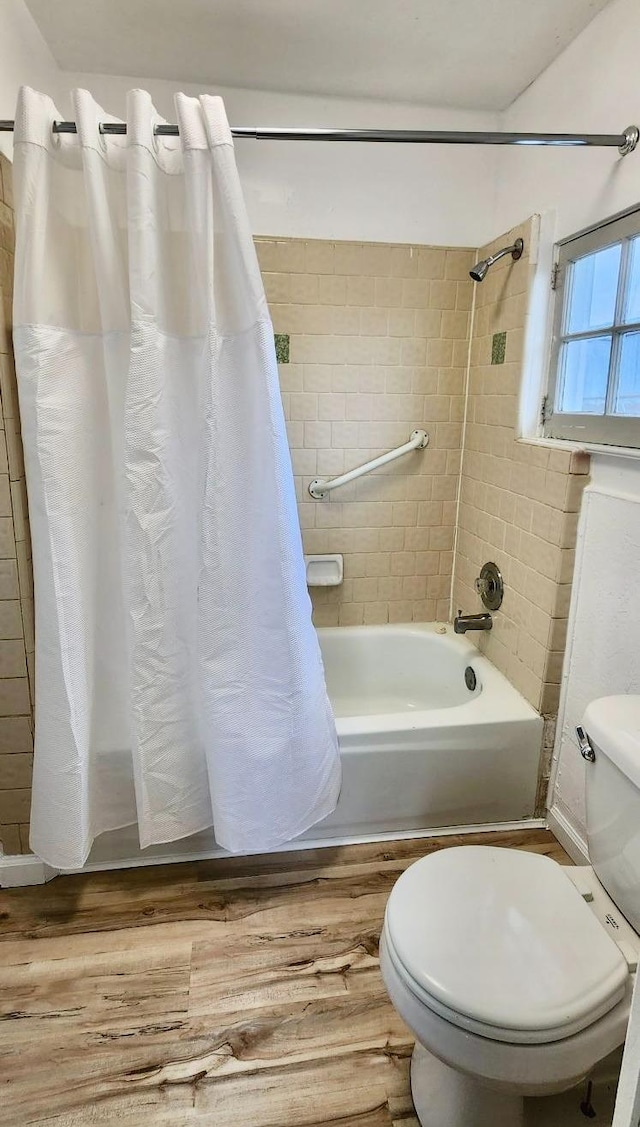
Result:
x=320 y=486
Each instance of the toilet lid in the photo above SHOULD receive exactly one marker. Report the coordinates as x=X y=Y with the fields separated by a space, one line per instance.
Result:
x=504 y=939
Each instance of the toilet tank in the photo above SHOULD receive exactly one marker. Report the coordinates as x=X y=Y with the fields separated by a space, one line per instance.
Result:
x=613 y=799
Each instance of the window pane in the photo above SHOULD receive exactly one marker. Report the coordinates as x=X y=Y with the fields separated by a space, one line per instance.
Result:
x=592 y=290
x=584 y=371
x=632 y=297
x=627 y=400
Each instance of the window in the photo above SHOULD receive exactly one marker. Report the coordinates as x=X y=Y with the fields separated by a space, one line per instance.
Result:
x=594 y=390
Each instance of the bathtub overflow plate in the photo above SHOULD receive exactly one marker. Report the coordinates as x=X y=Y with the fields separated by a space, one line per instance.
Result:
x=490 y=586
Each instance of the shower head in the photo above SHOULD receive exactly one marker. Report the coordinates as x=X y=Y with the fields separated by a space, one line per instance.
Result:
x=480 y=270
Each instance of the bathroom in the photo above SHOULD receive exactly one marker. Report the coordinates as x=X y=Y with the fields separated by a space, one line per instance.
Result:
x=179 y=975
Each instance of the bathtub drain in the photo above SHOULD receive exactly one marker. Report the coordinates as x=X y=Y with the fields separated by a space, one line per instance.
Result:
x=470 y=679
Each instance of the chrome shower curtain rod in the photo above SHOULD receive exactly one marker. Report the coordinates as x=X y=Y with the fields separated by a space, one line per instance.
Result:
x=624 y=142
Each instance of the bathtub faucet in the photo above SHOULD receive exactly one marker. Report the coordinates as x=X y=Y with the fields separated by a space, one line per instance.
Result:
x=463 y=622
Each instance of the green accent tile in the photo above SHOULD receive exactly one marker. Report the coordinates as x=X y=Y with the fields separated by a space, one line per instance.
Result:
x=498 y=348
x=282 y=347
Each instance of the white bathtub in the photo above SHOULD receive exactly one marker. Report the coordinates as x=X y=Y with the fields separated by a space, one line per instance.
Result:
x=419 y=749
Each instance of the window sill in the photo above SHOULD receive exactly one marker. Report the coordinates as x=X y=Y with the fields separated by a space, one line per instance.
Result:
x=631 y=452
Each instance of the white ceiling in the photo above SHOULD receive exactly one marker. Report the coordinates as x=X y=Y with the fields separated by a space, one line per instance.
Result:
x=478 y=54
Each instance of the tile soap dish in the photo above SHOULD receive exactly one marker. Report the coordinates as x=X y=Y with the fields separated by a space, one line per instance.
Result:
x=323 y=571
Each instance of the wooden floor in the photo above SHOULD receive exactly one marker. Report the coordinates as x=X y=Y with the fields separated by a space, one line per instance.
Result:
x=236 y=993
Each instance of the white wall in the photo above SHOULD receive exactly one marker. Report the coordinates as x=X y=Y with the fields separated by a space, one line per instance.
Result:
x=426 y=194
x=394 y=193
x=439 y=194
x=592 y=87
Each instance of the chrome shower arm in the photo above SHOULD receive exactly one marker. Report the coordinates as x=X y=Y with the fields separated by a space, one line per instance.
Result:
x=478 y=272
x=505 y=250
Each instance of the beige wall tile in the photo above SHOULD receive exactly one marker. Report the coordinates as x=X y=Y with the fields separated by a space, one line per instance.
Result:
x=356 y=386
x=5 y=496
x=28 y=623
x=16 y=578
x=15 y=772
x=9 y=588
x=15 y=735
x=7 y=539
x=8 y=387
x=4 y=460
x=6 y=181
x=13 y=662
x=14 y=698
x=431 y=262
x=10 y=840
x=10 y=619
x=15 y=806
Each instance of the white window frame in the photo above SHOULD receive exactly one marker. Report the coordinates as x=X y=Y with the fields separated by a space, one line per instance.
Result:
x=606 y=429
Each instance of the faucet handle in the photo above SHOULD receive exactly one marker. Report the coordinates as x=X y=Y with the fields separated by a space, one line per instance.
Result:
x=490 y=586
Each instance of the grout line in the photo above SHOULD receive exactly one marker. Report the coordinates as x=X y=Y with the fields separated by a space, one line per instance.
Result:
x=462 y=447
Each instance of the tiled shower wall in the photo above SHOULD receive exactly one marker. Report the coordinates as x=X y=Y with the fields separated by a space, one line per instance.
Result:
x=519 y=501
x=378 y=347
x=16 y=581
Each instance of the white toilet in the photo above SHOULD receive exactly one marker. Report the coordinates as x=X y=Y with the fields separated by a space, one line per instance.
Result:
x=514 y=972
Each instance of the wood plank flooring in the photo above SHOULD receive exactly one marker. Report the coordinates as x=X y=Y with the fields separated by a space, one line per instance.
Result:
x=242 y=992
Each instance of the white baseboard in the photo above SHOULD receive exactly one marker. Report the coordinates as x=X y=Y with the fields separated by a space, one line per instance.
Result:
x=22 y=870
x=568 y=836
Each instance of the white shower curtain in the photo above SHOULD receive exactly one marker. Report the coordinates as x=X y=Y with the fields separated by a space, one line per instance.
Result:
x=179 y=682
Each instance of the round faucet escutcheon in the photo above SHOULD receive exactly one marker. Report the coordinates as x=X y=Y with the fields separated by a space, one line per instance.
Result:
x=490 y=586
